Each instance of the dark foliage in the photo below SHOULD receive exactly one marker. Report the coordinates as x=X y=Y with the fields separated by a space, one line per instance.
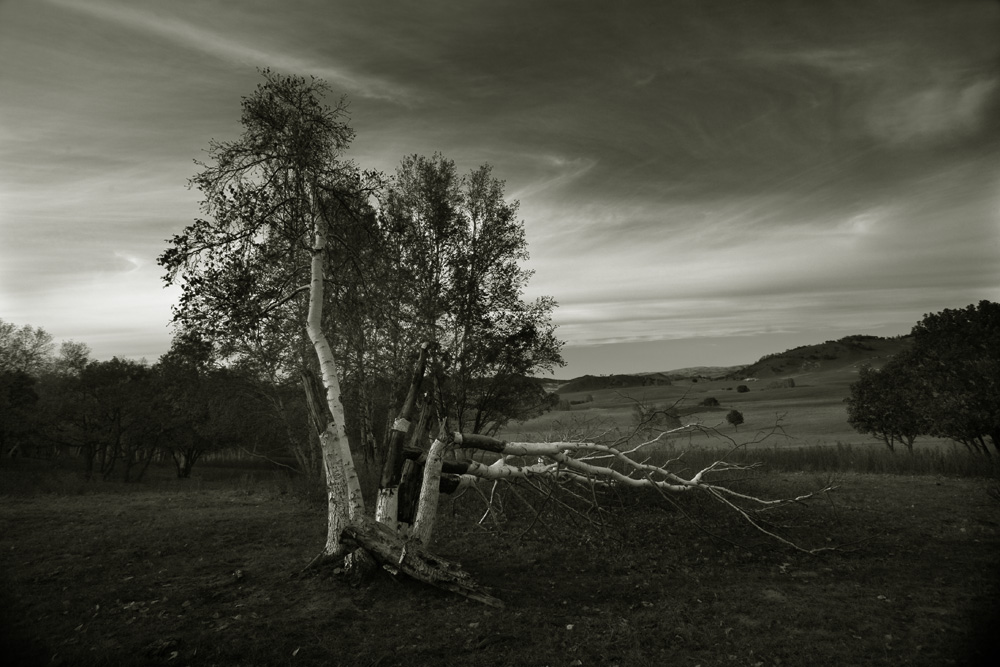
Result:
x=947 y=385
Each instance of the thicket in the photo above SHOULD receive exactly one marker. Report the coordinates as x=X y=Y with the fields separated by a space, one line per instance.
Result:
x=117 y=417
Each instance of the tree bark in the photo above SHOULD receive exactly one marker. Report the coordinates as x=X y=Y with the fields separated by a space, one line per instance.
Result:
x=430 y=489
x=343 y=489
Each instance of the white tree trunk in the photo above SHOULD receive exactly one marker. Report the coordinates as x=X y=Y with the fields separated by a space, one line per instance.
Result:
x=343 y=489
x=430 y=492
x=387 y=505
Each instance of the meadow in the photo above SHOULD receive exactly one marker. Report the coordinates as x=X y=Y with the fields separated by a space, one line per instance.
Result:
x=208 y=571
x=811 y=413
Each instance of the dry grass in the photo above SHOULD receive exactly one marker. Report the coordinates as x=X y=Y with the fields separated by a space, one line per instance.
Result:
x=145 y=576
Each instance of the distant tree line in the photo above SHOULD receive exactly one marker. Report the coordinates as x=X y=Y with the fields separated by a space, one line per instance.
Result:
x=118 y=416
x=946 y=385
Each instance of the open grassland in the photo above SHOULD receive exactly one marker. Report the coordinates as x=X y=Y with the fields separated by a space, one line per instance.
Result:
x=144 y=575
x=810 y=413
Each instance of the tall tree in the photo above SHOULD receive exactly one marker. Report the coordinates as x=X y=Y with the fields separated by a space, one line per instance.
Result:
x=461 y=249
x=277 y=201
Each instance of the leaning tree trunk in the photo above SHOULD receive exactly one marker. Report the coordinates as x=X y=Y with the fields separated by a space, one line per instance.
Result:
x=343 y=489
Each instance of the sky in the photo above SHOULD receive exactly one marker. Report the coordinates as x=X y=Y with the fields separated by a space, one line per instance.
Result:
x=702 y=182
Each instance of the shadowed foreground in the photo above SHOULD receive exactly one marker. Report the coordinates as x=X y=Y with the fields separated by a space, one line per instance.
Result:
x=179 y=574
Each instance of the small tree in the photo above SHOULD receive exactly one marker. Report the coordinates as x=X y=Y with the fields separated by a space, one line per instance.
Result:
x=742 y=389
x=887 y=403
x=735 y=417
x=710 y=402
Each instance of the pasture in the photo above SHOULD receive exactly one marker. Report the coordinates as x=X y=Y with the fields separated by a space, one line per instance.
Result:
x=811 y=413
x=204 y=572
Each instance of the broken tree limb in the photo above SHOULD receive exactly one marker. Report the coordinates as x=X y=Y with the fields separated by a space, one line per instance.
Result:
x=430 y=490
x=410 y=558
x=387 y=502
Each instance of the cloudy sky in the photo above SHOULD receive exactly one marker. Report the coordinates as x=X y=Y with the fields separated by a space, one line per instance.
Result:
x=702 y=181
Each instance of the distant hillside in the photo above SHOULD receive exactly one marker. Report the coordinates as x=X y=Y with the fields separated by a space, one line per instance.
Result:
x=598 y=382
x=710 y=372
x=825 y=356
x=831 y=355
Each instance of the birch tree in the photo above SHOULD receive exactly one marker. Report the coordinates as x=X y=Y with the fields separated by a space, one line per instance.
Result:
x=277 y=201
x=285 y=216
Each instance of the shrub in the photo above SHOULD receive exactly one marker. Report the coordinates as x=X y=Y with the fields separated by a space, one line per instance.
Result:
x=711 y=402
x=742 y=389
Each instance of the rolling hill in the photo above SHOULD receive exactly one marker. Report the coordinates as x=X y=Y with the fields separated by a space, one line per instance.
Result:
x=831 y=355
x=850 y=351
x=805 y=387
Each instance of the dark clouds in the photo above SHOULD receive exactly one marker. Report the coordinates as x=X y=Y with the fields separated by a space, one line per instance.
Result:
x=686 y=169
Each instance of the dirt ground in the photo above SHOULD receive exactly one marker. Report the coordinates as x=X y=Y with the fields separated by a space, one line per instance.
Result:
x=171 y=575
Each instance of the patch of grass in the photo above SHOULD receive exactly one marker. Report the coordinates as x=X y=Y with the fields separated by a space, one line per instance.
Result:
x=180 y=576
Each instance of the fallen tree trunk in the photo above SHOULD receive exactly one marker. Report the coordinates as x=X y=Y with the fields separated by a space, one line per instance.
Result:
x=405 y=556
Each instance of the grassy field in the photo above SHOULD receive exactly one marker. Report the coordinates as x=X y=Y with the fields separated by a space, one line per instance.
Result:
x=811 y=413
x=106 y=574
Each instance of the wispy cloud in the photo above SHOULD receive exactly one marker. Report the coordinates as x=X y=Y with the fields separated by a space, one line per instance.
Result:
x=232 y=49
x=940 y=111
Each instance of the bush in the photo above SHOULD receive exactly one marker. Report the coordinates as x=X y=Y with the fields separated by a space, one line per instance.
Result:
x=742 y=389
x=710 y=402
